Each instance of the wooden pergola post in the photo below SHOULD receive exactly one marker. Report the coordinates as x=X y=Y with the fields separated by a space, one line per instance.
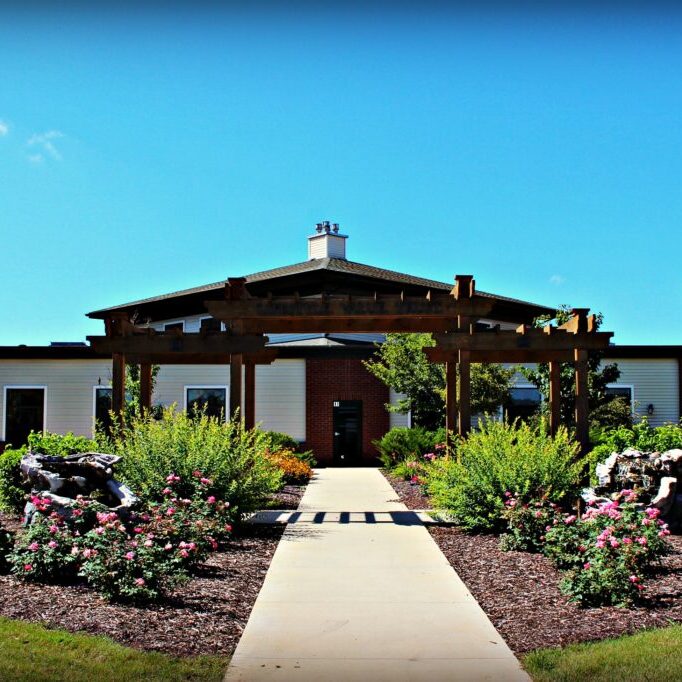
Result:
x=554 y=396
x=581 y=400
x=118 y=384
x=236 y=364
x=450 y=396
x=250 y=395
x=145 y=387
x=464 y=398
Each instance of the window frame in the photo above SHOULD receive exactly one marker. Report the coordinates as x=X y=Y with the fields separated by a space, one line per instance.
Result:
x=632 y=393
x=7 y=387
x=225 y=387
x=96 y=388
x=173 y=322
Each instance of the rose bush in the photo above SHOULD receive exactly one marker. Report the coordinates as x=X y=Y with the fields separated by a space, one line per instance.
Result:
x=608 y=552
x=526 y=523
x=137 y=557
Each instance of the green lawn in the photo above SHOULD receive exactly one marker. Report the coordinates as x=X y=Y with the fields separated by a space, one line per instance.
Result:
x=32 y=653
x=651 y=656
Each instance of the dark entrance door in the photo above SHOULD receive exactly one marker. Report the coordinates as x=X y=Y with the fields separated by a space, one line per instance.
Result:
x=347 y=432
x=24 y=412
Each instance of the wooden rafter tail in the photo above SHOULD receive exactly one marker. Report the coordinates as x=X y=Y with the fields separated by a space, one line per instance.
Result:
x=592 y=325
x=549 y=329
x=578 y=323
x=464 y=287
x=235 y=288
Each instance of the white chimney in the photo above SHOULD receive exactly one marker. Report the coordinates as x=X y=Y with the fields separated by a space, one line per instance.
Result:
x=327 y=243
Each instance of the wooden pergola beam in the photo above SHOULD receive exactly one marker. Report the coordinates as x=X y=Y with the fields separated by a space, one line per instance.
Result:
x=170 y=343
x=499 y=356
x=306 y=325
x=522 y=339
x=349 y=307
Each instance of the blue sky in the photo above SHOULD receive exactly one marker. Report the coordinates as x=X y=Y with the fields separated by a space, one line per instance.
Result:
x=148 y=150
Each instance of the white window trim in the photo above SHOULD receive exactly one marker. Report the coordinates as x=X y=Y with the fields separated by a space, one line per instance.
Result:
x=4 y=405
x=632 y=393
x=223 y=386
x=167 y=322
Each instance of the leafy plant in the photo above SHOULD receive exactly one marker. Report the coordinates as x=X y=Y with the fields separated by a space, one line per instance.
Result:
x=400 y=364
x=12 y=489
x=59 y=445
x=608 y=552
x=294 y=470
x=6 y=547
x=502 y=458
x=402 y=444
x=226 y=453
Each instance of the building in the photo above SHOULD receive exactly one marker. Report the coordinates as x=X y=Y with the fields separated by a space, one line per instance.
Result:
x=316 y=389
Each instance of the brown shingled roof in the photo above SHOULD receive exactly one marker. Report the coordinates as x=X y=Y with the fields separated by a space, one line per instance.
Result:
x=330 y=264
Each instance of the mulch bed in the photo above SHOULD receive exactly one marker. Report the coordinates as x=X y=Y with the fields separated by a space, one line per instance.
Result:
x=205 y=616
x=520 y=591
x=410 y=494
x=287 y=498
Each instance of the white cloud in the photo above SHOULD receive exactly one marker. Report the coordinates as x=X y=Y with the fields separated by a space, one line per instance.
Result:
x=35 y=158
x=4 y=129
x=557 y=280
x=44 y=142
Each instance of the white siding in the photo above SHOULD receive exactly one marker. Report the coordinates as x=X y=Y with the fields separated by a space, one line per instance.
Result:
x=70 y=384
x=396 y=418
x=281 y=396
x=280 y=391
x=172 y=379
x=656 y=382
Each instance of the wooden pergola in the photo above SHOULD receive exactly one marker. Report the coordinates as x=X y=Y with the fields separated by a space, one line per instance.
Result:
x=451 y=316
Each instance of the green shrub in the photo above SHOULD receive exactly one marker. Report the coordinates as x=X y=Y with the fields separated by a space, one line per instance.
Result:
x=12 y=489
x=608 y=552
x=6 y=546
x=641 y=436
x=232 y=457
x=402 y=443
x=59 y=445
x=498 y=459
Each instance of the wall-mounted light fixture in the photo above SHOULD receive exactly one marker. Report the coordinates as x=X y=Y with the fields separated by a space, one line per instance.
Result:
x=650 y=409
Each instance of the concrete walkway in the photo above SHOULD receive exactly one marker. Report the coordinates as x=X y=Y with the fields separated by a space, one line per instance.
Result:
x=358 y=591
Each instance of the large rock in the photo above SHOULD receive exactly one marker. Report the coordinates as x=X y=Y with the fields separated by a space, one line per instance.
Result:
x=63 y=479
x=665 y=497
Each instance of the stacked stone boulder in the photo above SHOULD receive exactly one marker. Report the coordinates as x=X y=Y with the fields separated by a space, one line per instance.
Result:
x=656 y=476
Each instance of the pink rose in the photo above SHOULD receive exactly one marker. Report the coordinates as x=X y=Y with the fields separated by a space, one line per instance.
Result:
x=52 y=544
x=139 y=582
x=130 y=556
x=210 y=499
x=34 y=546
x=28 y=567
x=184 y=553
x=587 y=565
x=54 y=529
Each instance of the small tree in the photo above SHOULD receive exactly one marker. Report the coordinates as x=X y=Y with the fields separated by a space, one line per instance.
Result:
x=400 y=364
x=133 y=389
x=600 y=407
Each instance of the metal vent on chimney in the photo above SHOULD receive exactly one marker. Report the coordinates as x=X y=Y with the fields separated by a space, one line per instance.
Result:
x=327 y=242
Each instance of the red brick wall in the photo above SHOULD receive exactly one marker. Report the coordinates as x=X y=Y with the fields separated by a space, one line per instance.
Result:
x=330 y=380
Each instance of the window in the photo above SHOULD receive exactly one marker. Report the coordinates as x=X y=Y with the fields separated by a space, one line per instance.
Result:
x=211 y=398
x=24 y=412
x=524 y=402
x=621 y=391
x=103 y=407
x=210 y=324
x=174 y=325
